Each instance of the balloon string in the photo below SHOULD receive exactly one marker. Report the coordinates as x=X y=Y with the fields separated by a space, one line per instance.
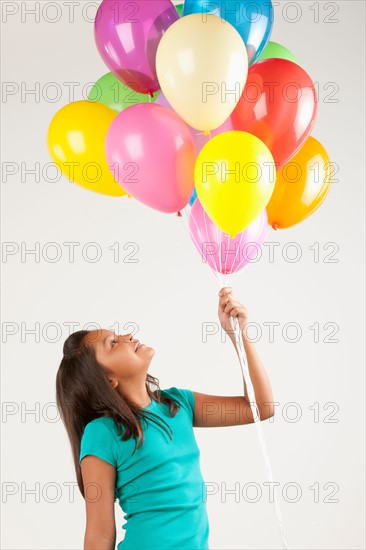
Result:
x=220 y=255
x=237 y=269
x=226 y=255
x=243 y=360
x=256 y=416
x=220 y=277
x=215 y=256
x=236 y=253
x=235 y=276
x=215 y=274
x=185 y=217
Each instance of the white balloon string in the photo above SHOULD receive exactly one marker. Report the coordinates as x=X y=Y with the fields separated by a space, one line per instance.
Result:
x=217 y=263
x=256 y=416
x=247 y=381
x=220 y=256
x=186 y=214
x=230 y=274
x=269 y=230
x=226 y=254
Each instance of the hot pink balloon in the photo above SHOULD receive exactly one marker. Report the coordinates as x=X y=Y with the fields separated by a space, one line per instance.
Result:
x=127 y=35
x=151 y=153
x=199 y=138
x=223 y=254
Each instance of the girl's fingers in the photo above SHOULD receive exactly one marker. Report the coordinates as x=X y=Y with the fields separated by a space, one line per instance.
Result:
x=230 y=305
x=225 y=302
x=222 y=303
x=227 y=298
x=225 y=290
x=239 y=308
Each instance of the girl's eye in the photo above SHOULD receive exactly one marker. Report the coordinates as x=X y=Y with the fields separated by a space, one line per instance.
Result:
x=114 y=342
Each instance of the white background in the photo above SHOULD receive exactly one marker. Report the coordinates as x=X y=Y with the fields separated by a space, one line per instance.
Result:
x=169 y=293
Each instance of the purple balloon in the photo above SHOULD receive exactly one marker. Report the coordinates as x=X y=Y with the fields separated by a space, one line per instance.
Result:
x=127 y=35
x=199 y=138
x=223 y=254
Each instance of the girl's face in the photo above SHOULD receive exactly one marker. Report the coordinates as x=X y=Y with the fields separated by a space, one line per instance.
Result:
x=120 y=354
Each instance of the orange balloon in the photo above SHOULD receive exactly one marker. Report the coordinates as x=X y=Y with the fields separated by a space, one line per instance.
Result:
x=301 y=186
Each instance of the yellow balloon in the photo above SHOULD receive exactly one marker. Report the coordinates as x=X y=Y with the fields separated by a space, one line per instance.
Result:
x=301 y=186
x=77 y=135
x=202 y=67
x=234 y=177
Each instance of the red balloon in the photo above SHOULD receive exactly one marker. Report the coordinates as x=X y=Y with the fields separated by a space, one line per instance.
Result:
x=278 y=105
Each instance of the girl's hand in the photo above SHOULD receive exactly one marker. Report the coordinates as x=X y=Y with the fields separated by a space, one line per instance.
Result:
x=229 y=307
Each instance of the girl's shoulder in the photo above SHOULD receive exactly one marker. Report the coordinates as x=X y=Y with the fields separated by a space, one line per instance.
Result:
x=99 y=439
x=102 y=425
x=107 y=421
x=184 y=396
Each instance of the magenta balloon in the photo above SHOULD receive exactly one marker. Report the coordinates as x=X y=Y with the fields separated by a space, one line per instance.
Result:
x=127 y=35
x=223 y=254
x=199 y=138
x=151 y=153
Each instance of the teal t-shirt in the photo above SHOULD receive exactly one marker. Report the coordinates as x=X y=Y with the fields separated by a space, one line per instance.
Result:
x=160 y=487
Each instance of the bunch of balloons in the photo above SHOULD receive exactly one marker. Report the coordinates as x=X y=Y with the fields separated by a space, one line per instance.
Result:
x=199 y=110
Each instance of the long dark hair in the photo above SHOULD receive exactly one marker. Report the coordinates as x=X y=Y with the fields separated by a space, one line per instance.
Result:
x=83 y=393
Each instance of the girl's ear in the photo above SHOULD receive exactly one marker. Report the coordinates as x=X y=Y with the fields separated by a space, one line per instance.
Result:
x=114 y=382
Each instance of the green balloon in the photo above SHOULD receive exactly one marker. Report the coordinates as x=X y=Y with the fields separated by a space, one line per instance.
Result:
x=115 y=94
x=179 y=8
x=273 y=49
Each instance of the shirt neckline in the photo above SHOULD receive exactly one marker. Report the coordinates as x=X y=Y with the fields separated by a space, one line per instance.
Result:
x=149 y=405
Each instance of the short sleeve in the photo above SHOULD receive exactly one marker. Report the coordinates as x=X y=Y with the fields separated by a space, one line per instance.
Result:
x=99 y=440
x=185 y=397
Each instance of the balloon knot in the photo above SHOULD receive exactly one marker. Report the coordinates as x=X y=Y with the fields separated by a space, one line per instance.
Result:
x=129 y=196
x=232 y=236
x=179 y=214
x=151 y=94
x=275 y=226
x=206 y=132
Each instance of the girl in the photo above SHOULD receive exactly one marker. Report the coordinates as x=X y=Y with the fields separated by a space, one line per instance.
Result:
x=138 y=445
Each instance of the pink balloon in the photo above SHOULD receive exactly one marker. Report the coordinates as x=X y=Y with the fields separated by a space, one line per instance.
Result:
x=127 y=35
x=199 y=138
x=223 y=254
x=151 y=153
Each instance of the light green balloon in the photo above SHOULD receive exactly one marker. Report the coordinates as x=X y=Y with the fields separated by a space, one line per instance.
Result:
x=115 y=94
x=179 y=8
x=273 y=49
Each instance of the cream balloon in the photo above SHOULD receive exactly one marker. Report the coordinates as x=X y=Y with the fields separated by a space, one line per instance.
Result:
x=202 y=66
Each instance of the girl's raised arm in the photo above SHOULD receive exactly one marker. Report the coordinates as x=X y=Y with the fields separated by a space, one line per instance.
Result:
x=211 y=411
